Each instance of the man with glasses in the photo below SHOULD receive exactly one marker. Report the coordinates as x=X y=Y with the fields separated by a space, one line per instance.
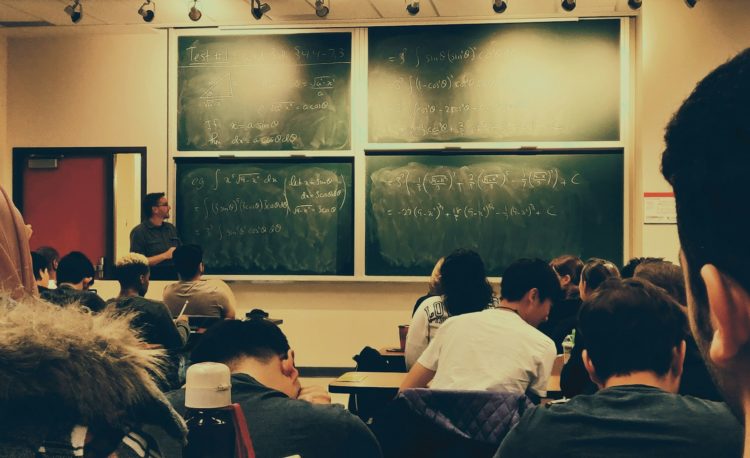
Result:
x=155 y=238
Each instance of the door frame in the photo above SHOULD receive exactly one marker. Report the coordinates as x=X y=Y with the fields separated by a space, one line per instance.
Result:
x=21 y=155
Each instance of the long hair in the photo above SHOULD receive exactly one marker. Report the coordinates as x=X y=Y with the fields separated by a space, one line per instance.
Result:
x=464 y=282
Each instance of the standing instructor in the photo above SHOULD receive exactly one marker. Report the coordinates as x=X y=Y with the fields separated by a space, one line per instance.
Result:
x=155 y=238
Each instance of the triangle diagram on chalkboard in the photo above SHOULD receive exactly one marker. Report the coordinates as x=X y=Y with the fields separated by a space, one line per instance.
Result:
x=219 y=88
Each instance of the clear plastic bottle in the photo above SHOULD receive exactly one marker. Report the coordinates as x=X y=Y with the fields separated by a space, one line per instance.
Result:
x=568 y=343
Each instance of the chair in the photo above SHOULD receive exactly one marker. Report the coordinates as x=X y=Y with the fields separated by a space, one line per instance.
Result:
x=444 y=423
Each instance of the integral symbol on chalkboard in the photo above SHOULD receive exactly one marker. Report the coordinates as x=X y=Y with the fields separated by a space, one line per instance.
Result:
x=219 y=89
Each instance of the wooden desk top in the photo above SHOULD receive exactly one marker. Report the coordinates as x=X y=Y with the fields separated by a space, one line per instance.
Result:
x=383 y=382
x=386 y=351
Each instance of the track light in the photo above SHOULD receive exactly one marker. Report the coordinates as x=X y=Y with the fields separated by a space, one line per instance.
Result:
x=148 y=10
x=259 y=9
x=499 y=6
x=413 y=7
x=691 y=3
x=320 y=9
x=569 y=5
x=75 y=11
x=195 y=14
x=635 y=4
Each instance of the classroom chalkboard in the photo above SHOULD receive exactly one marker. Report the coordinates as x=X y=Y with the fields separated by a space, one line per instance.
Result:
x=280 y=216
x=264 y=92
x=554 y=81
x=421 y=207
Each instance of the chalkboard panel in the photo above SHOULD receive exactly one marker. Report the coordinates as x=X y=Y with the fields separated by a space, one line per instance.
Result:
x=557 y=81
x=503 y=206
x=264 y=92
x=270 y=217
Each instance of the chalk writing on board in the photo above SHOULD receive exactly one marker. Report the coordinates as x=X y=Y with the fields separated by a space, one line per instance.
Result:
x=264 y=92
x=268 y=218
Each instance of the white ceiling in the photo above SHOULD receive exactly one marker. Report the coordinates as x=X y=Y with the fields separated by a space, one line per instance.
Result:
x=174 y=13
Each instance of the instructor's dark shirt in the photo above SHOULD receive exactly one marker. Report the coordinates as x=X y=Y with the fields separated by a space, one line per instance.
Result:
x=150 y=240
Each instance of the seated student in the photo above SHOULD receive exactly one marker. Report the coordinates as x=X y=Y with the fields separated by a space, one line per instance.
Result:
x=696 y=380
x=573 y=378
x=465 y=290
x=633 y=334
x=628 y=269
x=283 y=418
x=562 y=317
x=433 y=287
x=76 y=384
x=53 y=258
x=497 y=349
x=152 y=319
x=41 y=273
x=205 y=297
x=75 y=274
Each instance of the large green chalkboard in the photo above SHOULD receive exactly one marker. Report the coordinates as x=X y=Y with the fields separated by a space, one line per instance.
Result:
x=556 y=81
x=503 y=206
x=271 y=217
x=264 y=92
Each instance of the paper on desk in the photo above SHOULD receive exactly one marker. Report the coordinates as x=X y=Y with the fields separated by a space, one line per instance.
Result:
x=352 y=377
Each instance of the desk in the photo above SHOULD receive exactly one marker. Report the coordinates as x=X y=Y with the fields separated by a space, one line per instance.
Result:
x=369 y=382
x=395 y=359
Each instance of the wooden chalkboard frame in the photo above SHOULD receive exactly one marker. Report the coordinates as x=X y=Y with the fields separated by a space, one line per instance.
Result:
x=359 y=140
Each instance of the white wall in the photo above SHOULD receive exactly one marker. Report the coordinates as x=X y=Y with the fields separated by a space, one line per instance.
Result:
x=677 y=47
x=111 y=90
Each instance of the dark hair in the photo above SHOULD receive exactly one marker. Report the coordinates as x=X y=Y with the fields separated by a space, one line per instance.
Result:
x=628 y=269
x=187 y=259
x=596 y=270
x=231 y=339
x=128 y=271
x=39 y=264
x=464 y=283
x=151 y=200
x=666 y=276
x=706 y=161
x=525 y=274
x=630 y=325
x=50 y=254
x=74 y=267
x=568 y=264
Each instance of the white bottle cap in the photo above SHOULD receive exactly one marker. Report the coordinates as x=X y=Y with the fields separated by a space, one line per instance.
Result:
x=208 y=386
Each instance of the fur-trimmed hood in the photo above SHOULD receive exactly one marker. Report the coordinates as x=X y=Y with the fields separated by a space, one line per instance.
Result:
x=63 y=366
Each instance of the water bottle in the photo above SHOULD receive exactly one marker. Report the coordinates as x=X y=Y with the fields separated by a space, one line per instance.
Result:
x=211 y=430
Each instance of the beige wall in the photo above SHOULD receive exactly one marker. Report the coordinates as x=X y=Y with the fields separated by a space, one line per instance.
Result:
x=677 y=46
x=111 y=90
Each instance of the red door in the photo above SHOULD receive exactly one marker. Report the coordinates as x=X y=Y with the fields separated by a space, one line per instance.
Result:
x=67 y=205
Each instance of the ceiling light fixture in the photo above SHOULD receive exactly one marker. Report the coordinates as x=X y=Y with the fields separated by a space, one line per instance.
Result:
x=259 y=9
x=413 y=7
x=321 y=10
x=75 y=11
x=195 y=14
x=148 y=10
x=499 y=6
x=635 y=4
x=569 y=5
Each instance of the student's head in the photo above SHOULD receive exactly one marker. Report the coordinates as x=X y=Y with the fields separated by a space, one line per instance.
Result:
x=75 y=269
x=52 y=257
x=630 y=326
x=666 y=276
x=706 y=161
x=435 y=286
x=41 y=274
x=532 y=285
x=464 y=283
x=155 y=204
x=188 y=260
x=568 y=267
x=628 y=269
x=594 y=273
x=132 y=272
x=257 y=347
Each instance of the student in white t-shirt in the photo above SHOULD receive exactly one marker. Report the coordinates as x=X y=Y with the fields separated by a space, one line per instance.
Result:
x=497 y=349
x=465 y=289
